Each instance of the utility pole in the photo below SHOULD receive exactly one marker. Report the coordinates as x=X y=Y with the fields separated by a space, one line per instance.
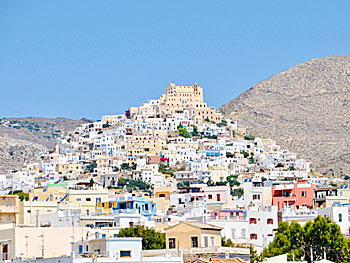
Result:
x=26 y=237
x=42 y=246
x=311 y=254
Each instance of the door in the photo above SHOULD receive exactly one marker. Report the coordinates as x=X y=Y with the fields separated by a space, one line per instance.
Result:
x=5 y=252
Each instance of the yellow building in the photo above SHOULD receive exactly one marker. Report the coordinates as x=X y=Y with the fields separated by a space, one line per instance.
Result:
x=88 y=197
x=180 y=99
x=163 y=192
x=9 y=209
x=218 y=173
x=192 y=235
x=190 y=97
x=69 y=169
x=49 y=194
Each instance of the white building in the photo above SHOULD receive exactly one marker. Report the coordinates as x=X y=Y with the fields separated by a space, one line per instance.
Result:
x=340 y=215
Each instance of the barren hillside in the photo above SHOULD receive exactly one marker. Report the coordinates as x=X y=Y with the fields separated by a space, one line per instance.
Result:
x=306 y=109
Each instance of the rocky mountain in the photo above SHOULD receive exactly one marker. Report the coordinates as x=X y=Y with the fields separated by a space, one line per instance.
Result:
x=306 y=109
x=21 y=139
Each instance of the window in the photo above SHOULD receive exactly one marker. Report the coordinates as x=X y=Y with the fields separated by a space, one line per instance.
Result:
x=125 y=253
x=194 y=241
x=253 y=236
x=243 y=233
x=171 y=243
x=78 y=199
x=98 y=200
x=88 y=199
x=80 y=249
x=256 y=197
x=115 y=235
x=303 y=193
x=340 y=218
x=210 y=197
x=212 y=241
x=233 y=233
x=218 y=197
x=87 y=248
x=131 y=224
x=269 y=221
x=206 y=243
x=252 y=220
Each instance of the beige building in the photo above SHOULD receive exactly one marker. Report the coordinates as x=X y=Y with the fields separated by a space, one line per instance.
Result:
x=88 y=198
x=49 y=193
x=30 y=211
x=9 y=209
x=39 y=242
x=219 y=173
x=190 y=97
x=192 y=235
x=176 y=100
x=71 y=170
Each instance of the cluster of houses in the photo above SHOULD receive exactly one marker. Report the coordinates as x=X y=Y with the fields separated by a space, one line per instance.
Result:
x=174 y=165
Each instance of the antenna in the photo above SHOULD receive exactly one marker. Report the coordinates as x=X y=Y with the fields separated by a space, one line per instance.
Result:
x=43 y=245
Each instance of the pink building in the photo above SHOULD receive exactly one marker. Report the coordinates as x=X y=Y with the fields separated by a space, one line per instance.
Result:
x=228 y=214
x=293 y=194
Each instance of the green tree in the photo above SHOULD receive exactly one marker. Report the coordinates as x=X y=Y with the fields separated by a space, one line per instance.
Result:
x=184 y=133
x=133 y=185
x=151 y=239
x=279 y=165
x=124 y=166
x=226 y=242
x=21 y=195
x=245 y=154
x=233 y=181
x=195 y=131
x=238 y=191
x=254 y=257
x=91 y=167
x=320 y=234
x=249 y=137
x=221 y=183
x=106 y=125
x=183 y=184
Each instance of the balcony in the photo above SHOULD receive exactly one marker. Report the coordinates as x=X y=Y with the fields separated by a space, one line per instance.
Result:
x=9 y=210
x=228 y=218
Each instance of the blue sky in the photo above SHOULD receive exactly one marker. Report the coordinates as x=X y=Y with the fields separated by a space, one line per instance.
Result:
x=88 y=58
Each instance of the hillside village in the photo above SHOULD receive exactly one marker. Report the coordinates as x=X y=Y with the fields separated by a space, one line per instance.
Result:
x=173 y=164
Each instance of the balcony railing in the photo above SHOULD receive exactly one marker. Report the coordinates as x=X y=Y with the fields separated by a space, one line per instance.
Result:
x=284 y=196
x=231 y=218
